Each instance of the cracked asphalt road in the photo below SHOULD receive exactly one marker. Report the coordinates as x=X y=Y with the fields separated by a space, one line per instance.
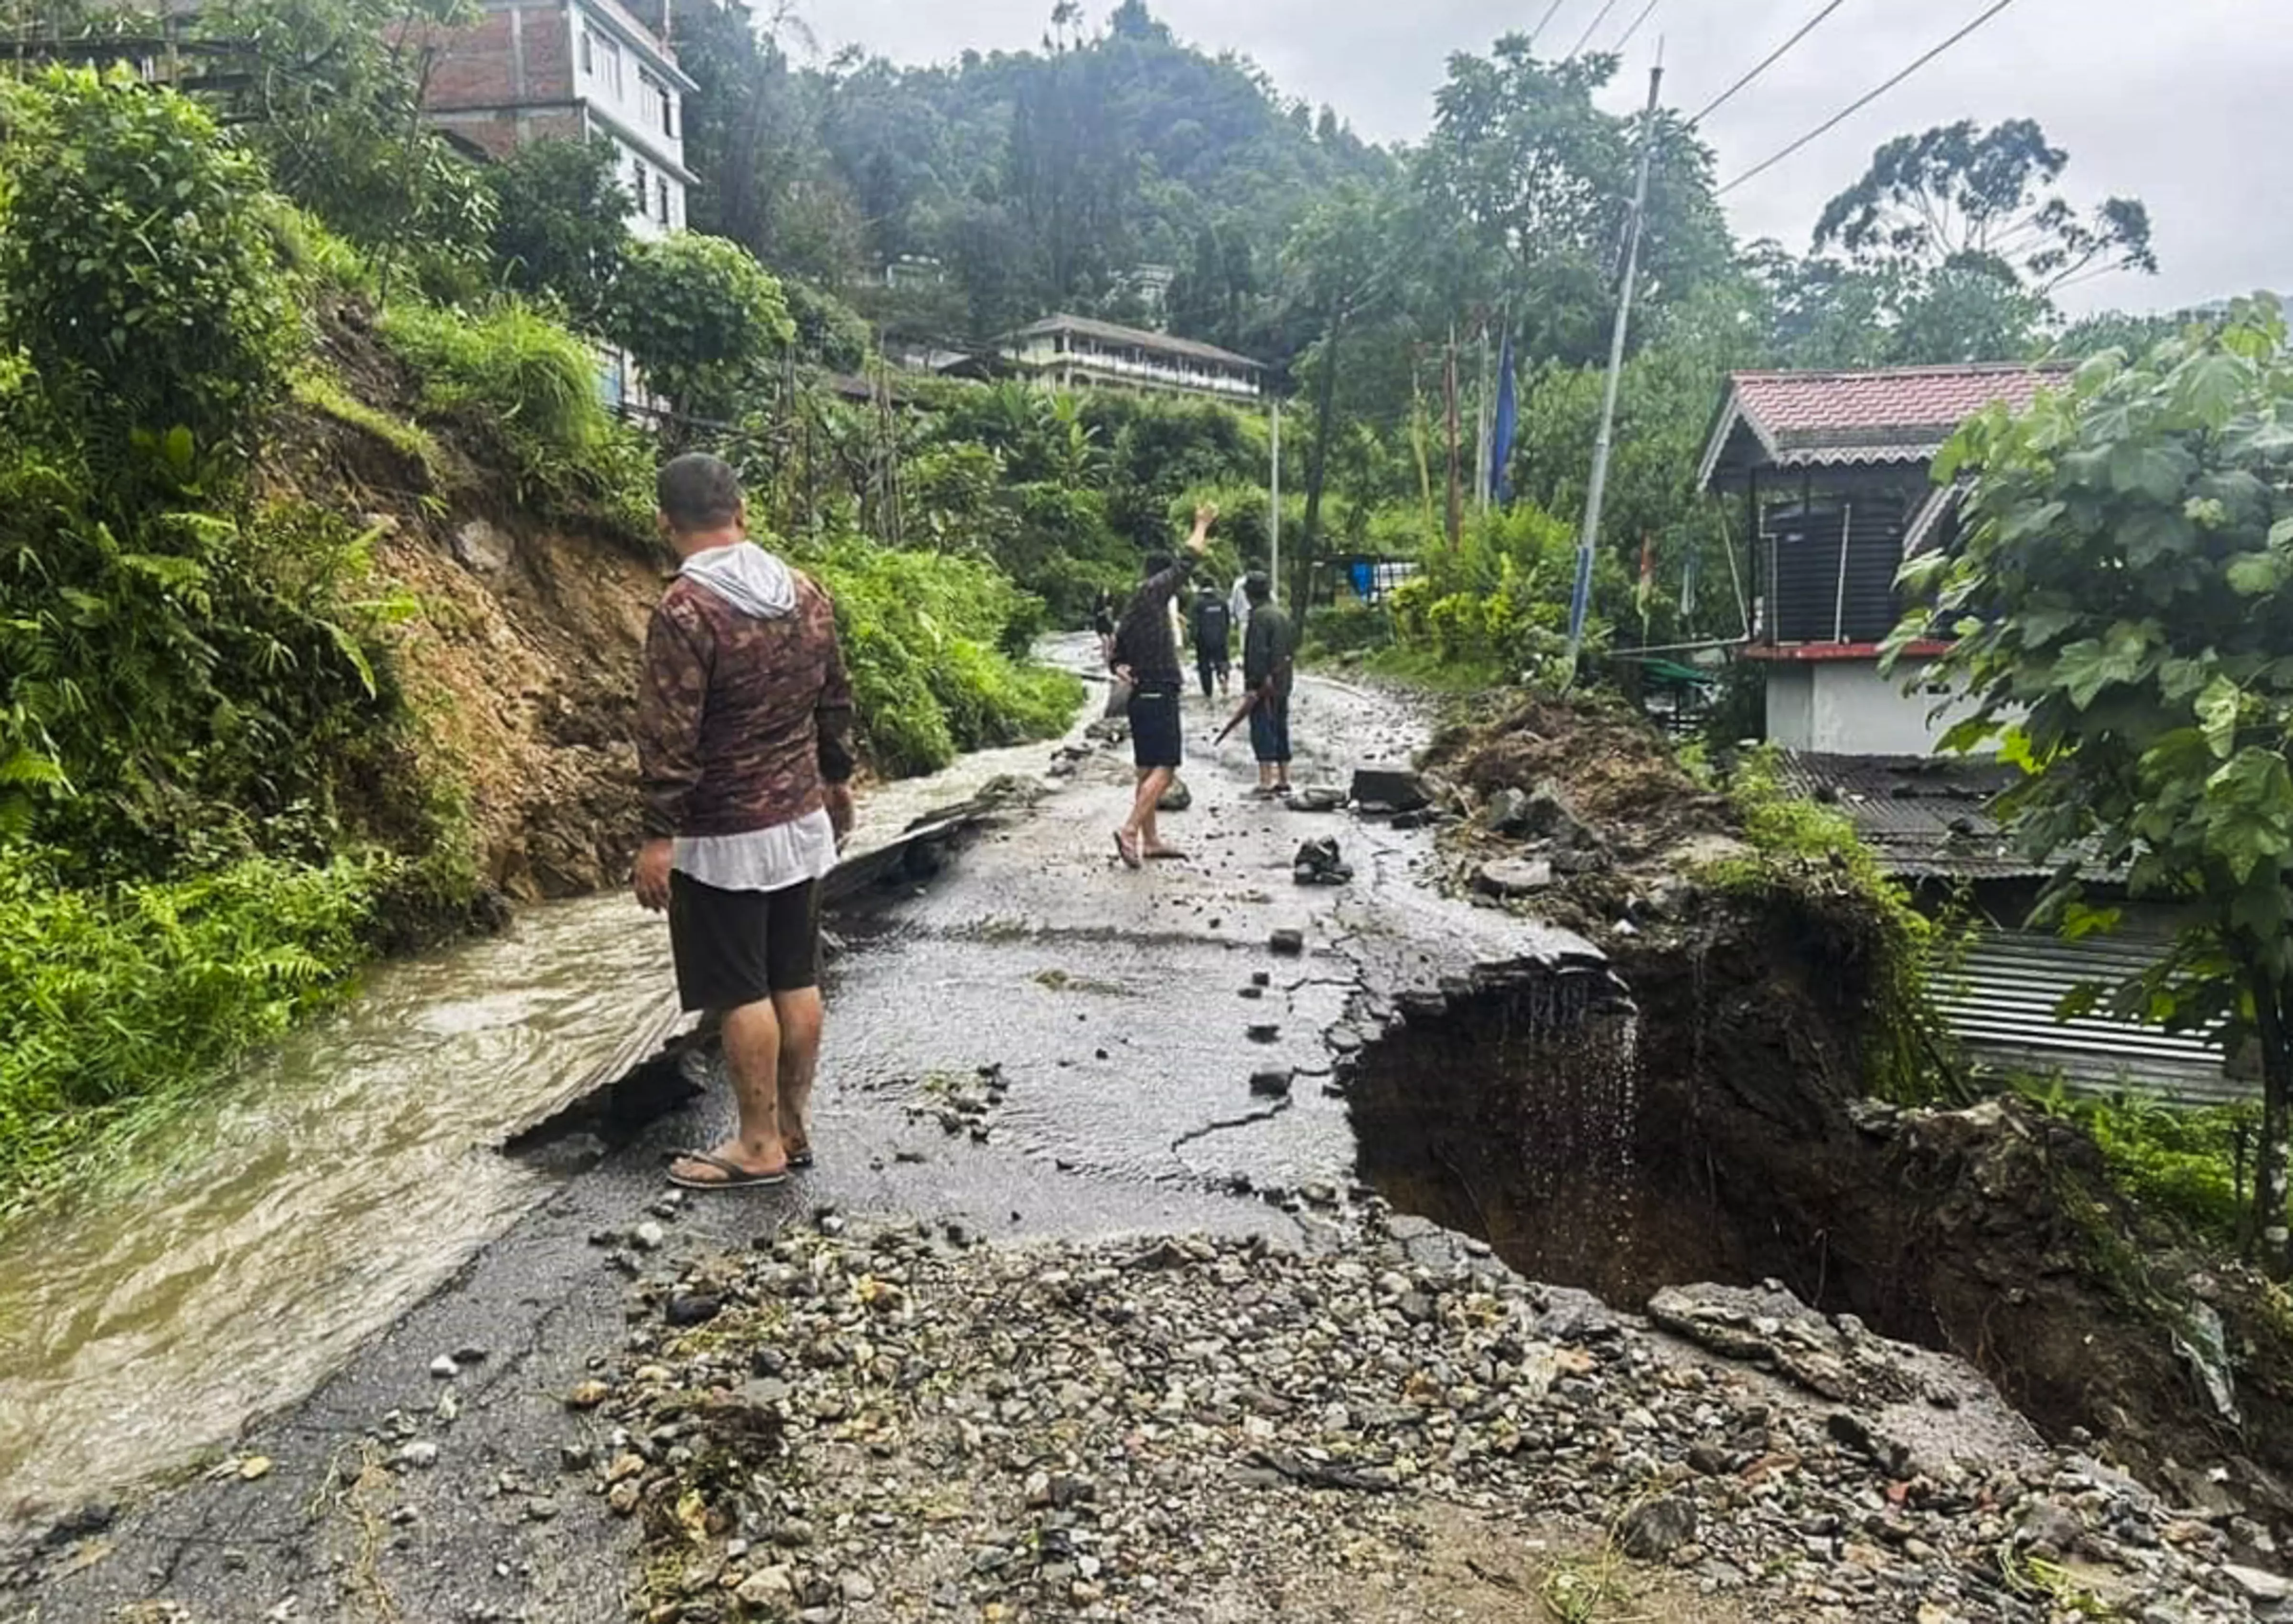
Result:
x=1117 y=1009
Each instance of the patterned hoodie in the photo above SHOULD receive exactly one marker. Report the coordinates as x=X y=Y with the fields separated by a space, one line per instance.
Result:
x=743 y=710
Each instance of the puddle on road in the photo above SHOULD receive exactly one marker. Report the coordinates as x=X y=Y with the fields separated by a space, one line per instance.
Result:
x=332 y=1184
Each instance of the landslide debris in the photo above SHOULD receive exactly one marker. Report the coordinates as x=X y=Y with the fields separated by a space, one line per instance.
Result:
x=878 y=1425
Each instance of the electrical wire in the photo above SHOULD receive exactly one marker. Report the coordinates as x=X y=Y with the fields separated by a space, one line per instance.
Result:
x=1772 y=57
x=1646 y=12
x=1599 y=18
x=1551 y=12
x=1857 y=106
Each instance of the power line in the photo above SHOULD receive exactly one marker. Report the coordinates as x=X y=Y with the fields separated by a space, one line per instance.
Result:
x=1599 y=18
x=1551 y=12
x=1773 y=57
x=1845 y=113
x=1646 y=12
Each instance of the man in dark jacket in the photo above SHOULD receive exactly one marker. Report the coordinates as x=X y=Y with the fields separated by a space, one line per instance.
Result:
x=1269 y=657
x=744 y=750
x=1214 y=644
x=1146 y=656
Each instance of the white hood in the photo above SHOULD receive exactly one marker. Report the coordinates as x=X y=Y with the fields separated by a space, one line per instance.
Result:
x=748 y=577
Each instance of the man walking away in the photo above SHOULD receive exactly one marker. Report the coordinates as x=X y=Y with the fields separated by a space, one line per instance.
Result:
x=744 y=749
x=1213 y=649
x=1146 y=654
x=1269 y=654
x=1237 y=602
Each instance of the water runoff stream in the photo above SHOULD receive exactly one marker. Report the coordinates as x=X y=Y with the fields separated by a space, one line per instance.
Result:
x=334 y=1181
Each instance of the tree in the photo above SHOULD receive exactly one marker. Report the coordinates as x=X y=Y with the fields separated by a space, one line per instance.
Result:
x=561 y=222
x=701 y=319
x=2124 y=609
x=136 y=272
x=1959 y=197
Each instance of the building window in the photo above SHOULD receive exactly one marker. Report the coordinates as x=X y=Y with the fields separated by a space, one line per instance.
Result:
x=642 y=186
x=662 y=213
x=655 y=106
x=601 y=59
x=668 y=115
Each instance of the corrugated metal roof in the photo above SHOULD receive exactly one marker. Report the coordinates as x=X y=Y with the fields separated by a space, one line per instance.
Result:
x=2001 y=1004
x=1927 y=817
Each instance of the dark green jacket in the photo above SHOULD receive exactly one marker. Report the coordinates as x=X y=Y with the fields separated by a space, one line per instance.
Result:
x=1269 y=649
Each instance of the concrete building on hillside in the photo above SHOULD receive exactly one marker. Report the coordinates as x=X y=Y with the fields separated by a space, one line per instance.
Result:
x=1833 y=471
x=1080 y=352
x=530 y=70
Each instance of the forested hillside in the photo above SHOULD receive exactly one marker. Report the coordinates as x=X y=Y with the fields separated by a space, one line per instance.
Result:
x=304 y=442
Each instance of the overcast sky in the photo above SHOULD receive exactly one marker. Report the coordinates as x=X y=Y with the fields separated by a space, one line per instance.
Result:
x=2177 y=102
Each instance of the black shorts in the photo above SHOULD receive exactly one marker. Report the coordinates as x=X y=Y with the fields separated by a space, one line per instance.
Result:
x=741 y=947
x=1155 y=726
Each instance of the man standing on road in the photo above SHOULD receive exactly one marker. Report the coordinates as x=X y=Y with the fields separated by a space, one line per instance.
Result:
x=1146 y=655
x=1214 y=648
x=744 y=749
x=1269 y=657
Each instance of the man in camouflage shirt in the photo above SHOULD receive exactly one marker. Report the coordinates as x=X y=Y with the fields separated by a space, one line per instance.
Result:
x=744 y=748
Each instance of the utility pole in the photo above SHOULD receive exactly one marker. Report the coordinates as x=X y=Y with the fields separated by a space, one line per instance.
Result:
x=1581 y=601
x=1485 y=474
x=1274 y=506
x=1449 y=391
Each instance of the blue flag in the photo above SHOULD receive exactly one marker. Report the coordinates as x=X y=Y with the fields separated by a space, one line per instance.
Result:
x=1500 y=436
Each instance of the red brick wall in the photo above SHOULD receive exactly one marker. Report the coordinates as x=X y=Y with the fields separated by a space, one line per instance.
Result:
x=516 y=54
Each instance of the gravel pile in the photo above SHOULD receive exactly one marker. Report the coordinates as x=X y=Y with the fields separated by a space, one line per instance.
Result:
x=841 y=1426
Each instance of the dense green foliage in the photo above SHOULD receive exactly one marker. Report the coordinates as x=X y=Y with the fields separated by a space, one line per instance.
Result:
x=560 y=224
x=120 y=996
x=2123 y=608
x=2195 y=1164
x=136 y=274
x=929 y=641
x=701 y=318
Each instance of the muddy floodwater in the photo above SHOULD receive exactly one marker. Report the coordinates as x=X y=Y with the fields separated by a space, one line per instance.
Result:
x=334 y=1182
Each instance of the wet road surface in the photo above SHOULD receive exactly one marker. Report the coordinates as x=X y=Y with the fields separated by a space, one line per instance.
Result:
x=1112 y=1008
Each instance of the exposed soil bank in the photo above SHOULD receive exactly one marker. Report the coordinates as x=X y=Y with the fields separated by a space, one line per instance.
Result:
x=1719 y=1136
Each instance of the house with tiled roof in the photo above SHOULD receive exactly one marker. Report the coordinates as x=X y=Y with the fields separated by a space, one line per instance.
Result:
x=1834 y=473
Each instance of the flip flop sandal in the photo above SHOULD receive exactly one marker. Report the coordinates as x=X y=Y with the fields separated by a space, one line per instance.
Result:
x=1127 y=851
x=800 y=1161
x=736 y=1176
x=1168 y=854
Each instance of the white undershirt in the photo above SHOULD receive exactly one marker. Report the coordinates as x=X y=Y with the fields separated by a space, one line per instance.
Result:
x=761 y=859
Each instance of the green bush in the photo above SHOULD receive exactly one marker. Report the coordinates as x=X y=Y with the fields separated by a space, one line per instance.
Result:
x=112 y=999
x=925 y=637
x=701 y=318
x=137 y=271
x=2194 y=1165
x=512 y=374
x=560 y=223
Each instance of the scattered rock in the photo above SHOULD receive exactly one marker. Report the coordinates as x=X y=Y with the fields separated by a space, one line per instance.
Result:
x=648 y=1237
x=1270 y=1085
x=588 y=1395
x=420 y=1454
x=1653 y=1530
x=444 y=1367
x=1318 y=798
x=686 y=1308
x=1515 y=876
x=1319 y=863
x=1176 y=798
x=1288 y=943
x=1387 y=790
x=483 y=549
